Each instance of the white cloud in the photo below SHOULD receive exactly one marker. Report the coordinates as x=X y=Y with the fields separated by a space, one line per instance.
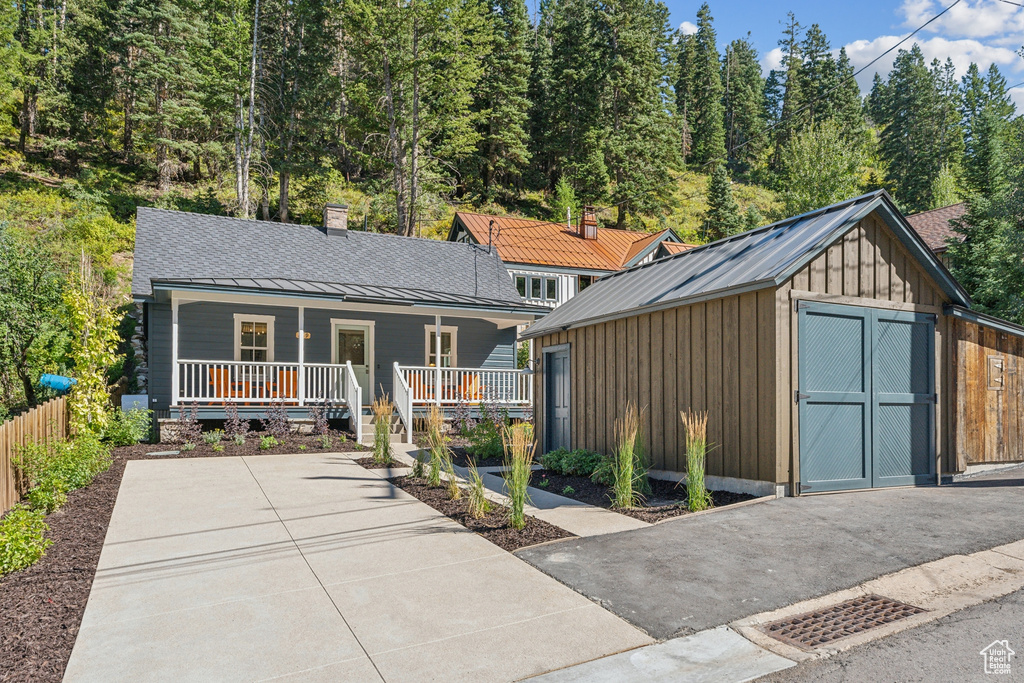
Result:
x=961 y=51
x=687 y=29
x=979 y=19
x=772 y=60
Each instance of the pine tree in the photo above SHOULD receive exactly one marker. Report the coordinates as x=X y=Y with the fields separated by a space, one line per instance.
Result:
x=640 y=146
x=986 y=109
x=500 y=97
x=818 y=78
x=704 y=97
x=684 y=91
x=908 y=142
x=723 y=215
x=847 y=107
x=540 y=174
x=744 y=90
x=790 y=84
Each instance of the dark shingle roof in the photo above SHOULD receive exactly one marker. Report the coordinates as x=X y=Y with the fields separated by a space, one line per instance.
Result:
x=765 y=257
x=933 y=226
x=175 y=245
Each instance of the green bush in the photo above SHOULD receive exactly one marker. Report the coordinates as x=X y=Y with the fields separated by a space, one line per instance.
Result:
x=22 y=539
x=268 y=442
x=485 y=440
x=127 y=428
x=57 y=467
x=580 y=462
x=213 y=437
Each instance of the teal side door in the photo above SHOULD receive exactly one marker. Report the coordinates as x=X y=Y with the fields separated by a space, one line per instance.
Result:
x=866 y=395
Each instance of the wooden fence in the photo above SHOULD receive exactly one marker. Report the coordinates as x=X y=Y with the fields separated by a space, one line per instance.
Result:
x=42 y=423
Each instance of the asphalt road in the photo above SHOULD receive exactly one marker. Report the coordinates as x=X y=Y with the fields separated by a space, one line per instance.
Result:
x=944 y=650
x=686 y=575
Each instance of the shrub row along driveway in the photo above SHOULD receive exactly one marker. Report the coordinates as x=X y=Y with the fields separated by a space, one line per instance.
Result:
x=249 y=568
x=690 y=574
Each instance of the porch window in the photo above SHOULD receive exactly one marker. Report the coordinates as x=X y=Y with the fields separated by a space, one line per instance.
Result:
x=449 y=342
x=254 y=338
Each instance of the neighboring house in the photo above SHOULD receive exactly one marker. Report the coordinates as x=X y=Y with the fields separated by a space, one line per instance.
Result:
x=253 y=313
x=551 y=262
x=672 y=248
x=934 y=228
x=831 y=351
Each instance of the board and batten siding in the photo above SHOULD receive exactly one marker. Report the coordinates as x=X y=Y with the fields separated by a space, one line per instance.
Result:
x=989 y=426
x=736 y=358
x=206 y=332
x=705 y=356
x=868 y=266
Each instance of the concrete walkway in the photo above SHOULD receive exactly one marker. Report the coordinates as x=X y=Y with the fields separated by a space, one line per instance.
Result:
x=692 y=574
x=309 y=567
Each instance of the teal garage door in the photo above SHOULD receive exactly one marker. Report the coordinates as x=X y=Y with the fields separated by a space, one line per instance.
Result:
x=867 y=397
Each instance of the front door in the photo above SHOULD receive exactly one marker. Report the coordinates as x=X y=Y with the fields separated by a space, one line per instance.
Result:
x=352 y=344
x=556 y=400
x=867 y=397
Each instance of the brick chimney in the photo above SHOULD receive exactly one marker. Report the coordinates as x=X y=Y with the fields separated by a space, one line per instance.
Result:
x=588 y=226
x=336 y=219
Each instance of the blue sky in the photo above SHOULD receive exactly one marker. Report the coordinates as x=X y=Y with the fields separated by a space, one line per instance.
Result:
x=983 y=31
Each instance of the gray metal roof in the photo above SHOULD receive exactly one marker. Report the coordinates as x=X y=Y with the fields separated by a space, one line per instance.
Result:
x=348 y=292
x=765 y=257
x=175 y=245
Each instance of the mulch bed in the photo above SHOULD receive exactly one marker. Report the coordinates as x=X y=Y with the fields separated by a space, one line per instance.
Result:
x=371 y=464
x=667 y=499
x=41 y=606
x=494 y=526
x=462 y=458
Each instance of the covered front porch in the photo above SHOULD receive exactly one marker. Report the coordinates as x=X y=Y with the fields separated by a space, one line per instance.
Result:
x=253 y=351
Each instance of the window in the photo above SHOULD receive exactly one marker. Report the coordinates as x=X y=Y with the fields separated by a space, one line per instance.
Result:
x=586 y=281
x=254 y=338
x=535 y=285
x=521 y=285
x=449 y=343
x=551 y=289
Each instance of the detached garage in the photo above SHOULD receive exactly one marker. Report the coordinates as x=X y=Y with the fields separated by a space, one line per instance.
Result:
x=822 y=348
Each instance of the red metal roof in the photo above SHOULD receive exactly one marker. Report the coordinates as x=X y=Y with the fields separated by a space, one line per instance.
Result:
x=669 y=248
x=933 y=226
x=520 y=240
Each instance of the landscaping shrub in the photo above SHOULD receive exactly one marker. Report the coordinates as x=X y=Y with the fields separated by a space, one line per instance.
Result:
x=213 y=437
x=276 y=422
x=325 y=441
x=568 y=491
x=189 y=429
x=268 y=442
x=127 y=428
x=580 y=462
x=696 y=425
x=519 y=449
x=625 y=459
x=461 y=420
x=479 y=506
x=318 y=414
x=57 y=467
x=383 y=411
x=235 y=428
x=485 y=437
x=22 y=538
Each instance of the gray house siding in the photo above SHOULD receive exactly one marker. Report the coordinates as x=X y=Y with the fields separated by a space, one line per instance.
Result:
x=206 y=332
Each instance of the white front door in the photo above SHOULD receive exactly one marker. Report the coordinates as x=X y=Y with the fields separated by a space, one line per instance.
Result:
x=354 y=343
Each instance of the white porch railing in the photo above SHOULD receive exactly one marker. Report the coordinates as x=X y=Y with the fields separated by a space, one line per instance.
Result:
x=403 y=401
x=354 y=395
x=452 y=386
x=205 y=381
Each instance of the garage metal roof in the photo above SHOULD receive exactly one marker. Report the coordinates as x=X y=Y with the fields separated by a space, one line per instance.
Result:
x=765 y=257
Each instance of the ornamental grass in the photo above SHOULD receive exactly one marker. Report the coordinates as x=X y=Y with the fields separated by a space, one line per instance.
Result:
x=696 y=425
x=383 y=411
x=519 y=450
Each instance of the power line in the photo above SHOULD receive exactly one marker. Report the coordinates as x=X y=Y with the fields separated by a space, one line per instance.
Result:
x=820 y=96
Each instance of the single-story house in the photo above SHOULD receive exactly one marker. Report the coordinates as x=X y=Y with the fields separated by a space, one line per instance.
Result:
x=551 y=262
x=829 y=351
x=252 y=313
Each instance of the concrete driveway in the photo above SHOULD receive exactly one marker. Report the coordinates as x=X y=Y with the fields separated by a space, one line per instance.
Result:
x=309 y=567
x=691 y=574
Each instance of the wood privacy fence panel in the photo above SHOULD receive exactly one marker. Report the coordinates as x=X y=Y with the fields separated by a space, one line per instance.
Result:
x=989 y=395
x=43 y=423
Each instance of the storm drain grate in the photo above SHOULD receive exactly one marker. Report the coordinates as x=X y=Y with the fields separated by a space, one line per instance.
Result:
x=815 y=629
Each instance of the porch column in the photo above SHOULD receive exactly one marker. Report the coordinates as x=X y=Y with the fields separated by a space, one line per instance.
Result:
x=174 y=350
x=302 y=355
x=437 y=359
